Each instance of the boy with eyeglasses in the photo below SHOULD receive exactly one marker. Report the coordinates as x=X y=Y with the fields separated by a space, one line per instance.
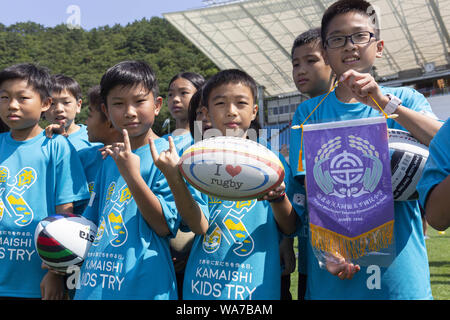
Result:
x=351 y=44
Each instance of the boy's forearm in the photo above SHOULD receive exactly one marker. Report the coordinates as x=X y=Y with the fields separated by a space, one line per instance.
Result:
x=187 y=206
x=148 y=204
x=422 y=127
x=285 y=216
x=437 y=210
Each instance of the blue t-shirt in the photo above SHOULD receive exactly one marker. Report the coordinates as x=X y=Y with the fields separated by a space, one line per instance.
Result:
x=437 y=167
x=91 y=160
x=36 y=175
x=80 y=139
x=238 y=258
x=296 y=193
x=408 y=277
x=182 y=141
x=127 y=259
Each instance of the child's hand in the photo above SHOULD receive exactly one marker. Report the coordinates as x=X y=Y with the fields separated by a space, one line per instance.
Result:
x=364 y=88
x=166 y=161
x=52 y=287
x=274 y=193
x=337 y=266
x=125 y=159
x=55 y=128
x=287 y=255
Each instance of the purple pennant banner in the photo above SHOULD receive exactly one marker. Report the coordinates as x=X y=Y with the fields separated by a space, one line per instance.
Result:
x=349 y=188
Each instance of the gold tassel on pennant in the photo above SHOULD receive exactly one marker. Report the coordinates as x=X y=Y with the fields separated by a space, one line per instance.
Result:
x=352 y=248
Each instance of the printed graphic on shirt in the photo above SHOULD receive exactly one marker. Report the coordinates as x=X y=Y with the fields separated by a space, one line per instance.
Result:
x=112 y=222
x=12 y=190
x=224 y=269
x=226 y=225
x=16 y=245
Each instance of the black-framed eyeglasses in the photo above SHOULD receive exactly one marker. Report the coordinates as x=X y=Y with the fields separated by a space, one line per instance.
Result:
x=360 y=37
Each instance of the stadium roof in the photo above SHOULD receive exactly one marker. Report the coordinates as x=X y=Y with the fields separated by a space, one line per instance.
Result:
x=257 y=35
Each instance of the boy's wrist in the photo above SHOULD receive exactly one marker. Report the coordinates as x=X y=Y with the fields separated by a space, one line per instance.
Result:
x=392 y=104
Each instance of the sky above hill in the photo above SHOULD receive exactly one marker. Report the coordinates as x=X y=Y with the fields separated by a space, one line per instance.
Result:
x=89 y=13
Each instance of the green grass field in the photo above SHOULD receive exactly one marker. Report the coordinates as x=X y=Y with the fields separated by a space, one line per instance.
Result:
x=438 y=246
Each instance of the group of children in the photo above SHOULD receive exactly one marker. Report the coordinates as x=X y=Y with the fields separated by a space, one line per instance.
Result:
x=158 y=237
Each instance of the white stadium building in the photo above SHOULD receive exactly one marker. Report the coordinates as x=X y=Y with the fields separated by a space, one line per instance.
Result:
x=257 y=35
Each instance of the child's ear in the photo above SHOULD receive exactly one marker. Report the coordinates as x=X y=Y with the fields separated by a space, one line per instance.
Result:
x=79 y=103
x=325 y=56
x=105 y=111
x=158 y=105
x=255 y=111
x=46 y=104
x=380 y=47
x=204 y=111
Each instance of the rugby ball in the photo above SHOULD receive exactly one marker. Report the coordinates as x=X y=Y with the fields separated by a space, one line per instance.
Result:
x=63 y=240
x=408 y=157
x=231 y=168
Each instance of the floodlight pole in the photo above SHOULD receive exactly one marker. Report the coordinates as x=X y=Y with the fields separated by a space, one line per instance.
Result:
x=442 y=29
x=261 y=105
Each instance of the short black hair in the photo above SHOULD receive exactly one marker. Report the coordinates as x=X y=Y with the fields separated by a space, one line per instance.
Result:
x=95 y=100
x=62 y=82
x=345 y=6
x=36 y=76
x=129 y=73
x=225 y=77
x=196 y=79
x=194 y=104
x=306 y=37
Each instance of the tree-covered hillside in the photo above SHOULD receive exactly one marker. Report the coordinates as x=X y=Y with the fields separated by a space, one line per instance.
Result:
x=85 y=55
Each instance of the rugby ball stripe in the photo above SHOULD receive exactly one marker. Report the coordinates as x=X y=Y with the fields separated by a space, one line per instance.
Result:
x=408 y=158
x=52 y=250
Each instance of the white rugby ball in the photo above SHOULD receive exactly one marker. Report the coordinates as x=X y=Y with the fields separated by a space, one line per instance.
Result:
x=63 y=240
x=408 y=157
x=231 y=168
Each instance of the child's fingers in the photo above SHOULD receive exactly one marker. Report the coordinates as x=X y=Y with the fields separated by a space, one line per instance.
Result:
x=153 y=149
x=346 y=75
x=368 y=88
x=281 y=188
x=48 y=132
x=126 y=140
x=104 y=152
x=172 y=147
x=109 y=152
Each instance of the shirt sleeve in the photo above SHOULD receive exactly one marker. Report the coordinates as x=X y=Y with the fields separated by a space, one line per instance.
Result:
x=412 y=99
x=294 y=145
x=160 y=188
x=296 y=194
x=70 y=180
x=437 y=167
x=92 y=211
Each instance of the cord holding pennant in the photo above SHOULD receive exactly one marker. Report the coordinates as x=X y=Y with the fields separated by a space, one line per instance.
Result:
x=300 y=162
x=343 y=78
